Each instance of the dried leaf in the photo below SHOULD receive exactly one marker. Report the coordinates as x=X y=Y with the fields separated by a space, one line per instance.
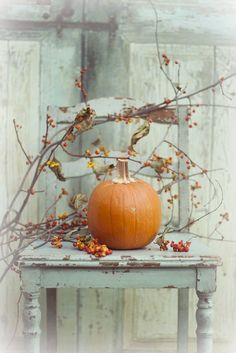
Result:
x=131 y=151
x=85 y=118
x=142 y=131
x=64 y=191
x=160 y=240
x=77 y=201
x=55 y=166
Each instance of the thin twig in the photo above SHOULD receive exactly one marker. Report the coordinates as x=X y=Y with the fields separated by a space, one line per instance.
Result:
x=19 y=142
x=146 y=110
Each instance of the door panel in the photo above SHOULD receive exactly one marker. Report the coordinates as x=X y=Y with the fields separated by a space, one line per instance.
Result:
x=19 y=100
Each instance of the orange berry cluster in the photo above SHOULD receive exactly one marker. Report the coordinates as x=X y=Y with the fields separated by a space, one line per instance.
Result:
x=125 y=119
x=102 y=150
x=92 y=247
x=77 y=127
x=63 y=215
x=164 y=163
x=61 y=225
x=78 y=83
x=196 y=186
x=51 y=121
x=45 y=141
x=180 y=154
x=64 y=192
x=167 y=162
x=166 y=59
x=164 y=245
x=31 y=227
x=81 y=218
x=171 y=200
x=98 y=151
x=161 y=165
x=167 y=101
x=70 y=136
x=88 y=153
x=189 y=120
x=51 y=223
x=195 y=201
x=190 y=164
x=82 y=243
x=181 y=246
x=56 y=242
x=224 y=217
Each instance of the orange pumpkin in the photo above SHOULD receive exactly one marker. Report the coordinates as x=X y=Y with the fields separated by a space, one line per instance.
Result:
x=124 y=213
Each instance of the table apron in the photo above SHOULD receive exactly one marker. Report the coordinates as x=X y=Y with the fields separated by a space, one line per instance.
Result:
x=118 y=278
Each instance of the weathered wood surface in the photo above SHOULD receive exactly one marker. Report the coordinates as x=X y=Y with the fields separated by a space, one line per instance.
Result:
x=67 y=277
x=147 y=82
x=31 y=319
x=19 y=100
x=60 y=62
x=151 y=256
x=204 y=318
x=192 y=22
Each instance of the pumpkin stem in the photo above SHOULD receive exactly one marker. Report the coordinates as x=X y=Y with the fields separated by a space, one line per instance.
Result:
x=122 y=168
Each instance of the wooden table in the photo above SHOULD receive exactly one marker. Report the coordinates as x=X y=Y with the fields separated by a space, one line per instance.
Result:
x=145 y=268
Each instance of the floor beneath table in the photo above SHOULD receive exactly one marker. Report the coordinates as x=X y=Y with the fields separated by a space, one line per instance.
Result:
x=166 y=347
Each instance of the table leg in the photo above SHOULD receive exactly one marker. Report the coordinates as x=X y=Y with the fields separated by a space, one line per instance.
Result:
x=183 y=303
x=51 y=320
x=204 y=316
x=31 y=319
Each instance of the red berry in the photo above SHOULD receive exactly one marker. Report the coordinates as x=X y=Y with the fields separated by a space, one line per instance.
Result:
x=167 y=101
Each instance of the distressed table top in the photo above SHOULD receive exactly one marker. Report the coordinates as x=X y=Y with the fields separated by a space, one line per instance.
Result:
x=199 y=255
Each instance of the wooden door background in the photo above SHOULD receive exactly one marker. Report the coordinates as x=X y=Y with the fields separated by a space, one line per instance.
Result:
x=38 y=66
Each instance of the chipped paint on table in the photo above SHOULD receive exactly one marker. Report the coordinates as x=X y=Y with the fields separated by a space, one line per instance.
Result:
x=149 y=257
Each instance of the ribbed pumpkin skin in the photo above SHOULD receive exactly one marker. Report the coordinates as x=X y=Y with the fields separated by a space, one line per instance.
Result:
x=124 y=216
